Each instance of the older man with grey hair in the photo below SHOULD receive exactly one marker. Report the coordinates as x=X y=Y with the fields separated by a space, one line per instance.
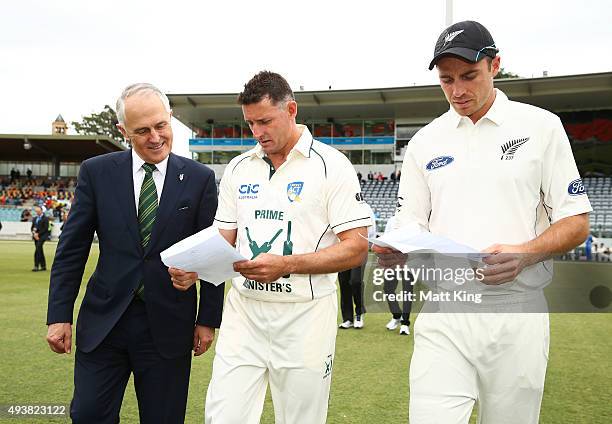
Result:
x=133 y=319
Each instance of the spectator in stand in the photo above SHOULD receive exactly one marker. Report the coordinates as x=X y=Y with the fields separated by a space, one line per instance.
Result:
x=370 y=176
x=380 y=176
x=57 y=211
x=392 y=177
x=29 y=174
x=359 y=176
x=399 y=175
x=49 y=202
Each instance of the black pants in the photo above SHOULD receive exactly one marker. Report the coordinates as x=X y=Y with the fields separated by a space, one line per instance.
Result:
x=100 y=376
x=351 y=289
x=407 y=287
x=39 y=254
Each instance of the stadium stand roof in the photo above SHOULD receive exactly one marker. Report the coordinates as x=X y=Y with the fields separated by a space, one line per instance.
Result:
x=46 y=148
x=408 y=104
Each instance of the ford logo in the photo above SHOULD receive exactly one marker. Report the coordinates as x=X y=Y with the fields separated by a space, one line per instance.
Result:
x=576 y=188
x=439 y=162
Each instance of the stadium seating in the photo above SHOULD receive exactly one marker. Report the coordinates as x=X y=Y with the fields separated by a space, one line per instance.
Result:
x=10 y=214
x=382 y=197
x=599 y=190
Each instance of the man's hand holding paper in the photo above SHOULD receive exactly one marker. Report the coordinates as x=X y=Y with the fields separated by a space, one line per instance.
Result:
x=265 y=268
x=205 y=255
x=182 y=280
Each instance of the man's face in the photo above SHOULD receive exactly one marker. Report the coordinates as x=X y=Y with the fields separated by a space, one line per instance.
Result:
x=271 y=124
x=147 y=126
x=468 y=87
x=38 y=211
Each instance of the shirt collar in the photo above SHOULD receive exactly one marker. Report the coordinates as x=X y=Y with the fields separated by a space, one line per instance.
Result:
x=302 y=146
x=495 y=113
x=137 y=163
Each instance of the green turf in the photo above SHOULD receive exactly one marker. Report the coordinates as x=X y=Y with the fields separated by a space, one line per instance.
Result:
x=370 y=380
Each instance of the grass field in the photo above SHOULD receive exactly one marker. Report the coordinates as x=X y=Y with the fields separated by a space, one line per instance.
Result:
x=370 y=380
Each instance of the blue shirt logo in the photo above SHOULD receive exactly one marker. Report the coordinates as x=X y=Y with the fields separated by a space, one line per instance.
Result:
x=576 y=188
x=294 y=190
x=439 y=162
x=248 y=191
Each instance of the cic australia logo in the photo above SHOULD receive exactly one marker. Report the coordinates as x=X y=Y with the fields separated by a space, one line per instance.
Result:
x=439 y=162
x=509 y=149
x=248 y=191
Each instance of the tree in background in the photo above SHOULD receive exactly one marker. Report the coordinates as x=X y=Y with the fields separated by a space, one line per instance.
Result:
x=103 y=123
x=505 y=74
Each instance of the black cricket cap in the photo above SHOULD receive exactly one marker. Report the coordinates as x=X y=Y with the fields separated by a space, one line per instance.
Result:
x=468 y=40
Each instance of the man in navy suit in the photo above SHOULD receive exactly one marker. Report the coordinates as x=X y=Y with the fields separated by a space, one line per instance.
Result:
x=132 y=319
x=40 y=234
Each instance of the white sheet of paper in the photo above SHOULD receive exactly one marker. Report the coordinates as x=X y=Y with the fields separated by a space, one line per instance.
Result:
x=206 y=253
x=412 y=240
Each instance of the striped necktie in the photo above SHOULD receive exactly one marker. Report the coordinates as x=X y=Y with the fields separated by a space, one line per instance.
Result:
x=147 y=209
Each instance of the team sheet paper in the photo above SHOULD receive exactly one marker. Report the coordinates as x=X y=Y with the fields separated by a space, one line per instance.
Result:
x=409 y=239
x=206 y=253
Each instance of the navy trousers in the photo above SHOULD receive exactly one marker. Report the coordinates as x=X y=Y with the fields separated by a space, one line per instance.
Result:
x=101 y=376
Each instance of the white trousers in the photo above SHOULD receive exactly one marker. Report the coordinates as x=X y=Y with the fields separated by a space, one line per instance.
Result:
x=498 y=359
x=289 y=345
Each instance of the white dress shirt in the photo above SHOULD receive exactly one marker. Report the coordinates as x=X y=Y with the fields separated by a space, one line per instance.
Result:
x=138 y=175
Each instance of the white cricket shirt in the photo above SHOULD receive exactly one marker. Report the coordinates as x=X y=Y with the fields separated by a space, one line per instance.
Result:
x=298 y=208
x=503 y=180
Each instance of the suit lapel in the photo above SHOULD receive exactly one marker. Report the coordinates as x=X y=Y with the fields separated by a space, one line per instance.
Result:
x=123 y=186
x=174 y=184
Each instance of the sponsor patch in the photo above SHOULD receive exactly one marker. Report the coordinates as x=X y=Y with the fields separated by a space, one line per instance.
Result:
x=576 y=188
x=248 y=191
x=439 y=162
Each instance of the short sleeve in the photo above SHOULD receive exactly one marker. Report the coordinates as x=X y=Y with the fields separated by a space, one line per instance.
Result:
x=562 y=187
x=226 y=217
x=346 y=208
x=413 y=197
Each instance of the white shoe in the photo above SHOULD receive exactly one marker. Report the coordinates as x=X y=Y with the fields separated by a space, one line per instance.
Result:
x=346 y=325
x=358 y=323
x=393 y=323
x=404 y=330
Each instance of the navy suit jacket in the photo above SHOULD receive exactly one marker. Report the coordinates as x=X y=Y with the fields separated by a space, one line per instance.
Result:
x=104 y=203
x=42 y=228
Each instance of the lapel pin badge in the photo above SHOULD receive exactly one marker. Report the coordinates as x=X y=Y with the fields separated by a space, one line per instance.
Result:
x=181 y=177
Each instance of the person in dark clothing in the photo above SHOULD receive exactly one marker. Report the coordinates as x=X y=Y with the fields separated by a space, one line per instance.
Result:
x=40 y=234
